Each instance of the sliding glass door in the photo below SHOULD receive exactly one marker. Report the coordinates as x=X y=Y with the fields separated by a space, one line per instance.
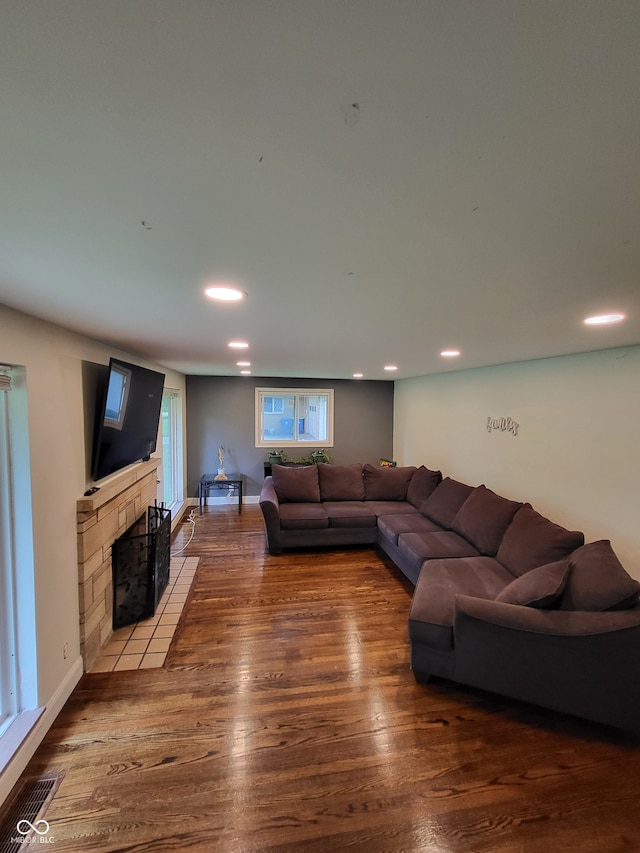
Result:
x=18 y=671
x=171 y=426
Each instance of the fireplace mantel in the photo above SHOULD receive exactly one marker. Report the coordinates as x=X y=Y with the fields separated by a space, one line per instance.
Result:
x=101 y=518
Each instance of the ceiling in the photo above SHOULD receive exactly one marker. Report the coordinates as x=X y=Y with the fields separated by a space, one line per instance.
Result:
x=384 y=178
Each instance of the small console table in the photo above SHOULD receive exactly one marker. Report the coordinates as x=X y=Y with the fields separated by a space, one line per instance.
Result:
x=208 y=482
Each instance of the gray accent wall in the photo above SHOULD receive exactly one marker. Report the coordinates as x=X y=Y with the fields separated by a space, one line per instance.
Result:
x=221 y=410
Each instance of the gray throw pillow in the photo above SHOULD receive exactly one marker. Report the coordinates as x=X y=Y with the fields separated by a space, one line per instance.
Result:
x=341 y=482
x=484 y=518
x=598 y=581
x=296 y=485
x=386 y=483
x=540 y=587
x=532 y=540
x=445 y=501
x=422 y=485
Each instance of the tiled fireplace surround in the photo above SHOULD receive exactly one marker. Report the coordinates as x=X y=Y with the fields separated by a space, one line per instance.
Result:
x=102 y=517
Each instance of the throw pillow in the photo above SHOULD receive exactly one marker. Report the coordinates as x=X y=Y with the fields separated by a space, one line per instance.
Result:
x=422 y=485
x=532 y=540
x=341 y=482
x=447 y=498
x=598 y=581
x=483 y=519
x=540 y=587
x=387 y=484
x=296 y=485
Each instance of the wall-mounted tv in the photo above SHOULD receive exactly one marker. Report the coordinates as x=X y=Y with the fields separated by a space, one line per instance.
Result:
x=128 y=417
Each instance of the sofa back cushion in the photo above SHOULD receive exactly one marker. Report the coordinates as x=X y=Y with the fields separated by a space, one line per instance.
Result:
x=445 y=501
x=483 y=519
x=422 y=485
x=386 y=483
x=532 y=540
x=598 y=581
x=341 y=482
x=540 y=587
x=296 y=485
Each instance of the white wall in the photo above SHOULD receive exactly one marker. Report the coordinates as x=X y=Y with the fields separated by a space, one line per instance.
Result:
x=53 y=359
x=576 y=456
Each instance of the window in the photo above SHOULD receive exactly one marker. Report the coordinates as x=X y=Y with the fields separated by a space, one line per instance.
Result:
x=290 y=416
x=171 y=427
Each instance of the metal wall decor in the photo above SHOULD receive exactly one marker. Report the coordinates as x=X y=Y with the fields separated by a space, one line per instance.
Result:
x=503 y=425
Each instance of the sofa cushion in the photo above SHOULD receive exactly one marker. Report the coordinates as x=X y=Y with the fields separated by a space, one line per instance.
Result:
x=418 y=547
x=349 y=514
x=483 y=519
x=433 y=605
x=391 y=526
x=386 y=483
x=532 y=540
x=598 y=581
x=540 y=587
x=422 y=485
x=294 y=485
x=341 y=482
x=303 y=516
x=445 y=501
x=392 y=508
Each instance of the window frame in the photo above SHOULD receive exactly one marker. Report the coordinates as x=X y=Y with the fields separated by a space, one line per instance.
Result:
x=296 y=394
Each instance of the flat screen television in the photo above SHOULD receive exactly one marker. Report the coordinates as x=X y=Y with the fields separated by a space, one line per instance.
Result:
x=127 y=418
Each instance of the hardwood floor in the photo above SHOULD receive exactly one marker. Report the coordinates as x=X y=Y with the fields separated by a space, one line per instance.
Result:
x=286 y=718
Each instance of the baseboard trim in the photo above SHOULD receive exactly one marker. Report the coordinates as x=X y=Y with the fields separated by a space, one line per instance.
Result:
x=33 y=728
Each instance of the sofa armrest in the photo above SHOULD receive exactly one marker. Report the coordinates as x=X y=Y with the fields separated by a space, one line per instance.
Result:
x=554 y=622
x=270 y=506
x=581 y=663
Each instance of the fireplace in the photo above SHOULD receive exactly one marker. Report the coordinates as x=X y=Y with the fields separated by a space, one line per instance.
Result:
x=103 y=516
x=140 y=565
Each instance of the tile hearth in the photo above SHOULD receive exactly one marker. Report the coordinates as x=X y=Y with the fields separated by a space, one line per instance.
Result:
x=145 y=645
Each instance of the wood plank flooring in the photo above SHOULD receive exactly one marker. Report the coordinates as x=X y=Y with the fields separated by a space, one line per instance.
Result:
x=287 y=719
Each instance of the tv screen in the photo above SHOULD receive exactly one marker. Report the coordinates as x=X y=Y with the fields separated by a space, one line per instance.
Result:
x=128 y=417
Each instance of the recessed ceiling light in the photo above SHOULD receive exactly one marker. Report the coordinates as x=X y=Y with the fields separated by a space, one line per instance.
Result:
x=603 y=319
x=245 y=372
x=243 y=363
x=450 y=353
x=358 y=375
x=390 y=367
x=238 y=344
x=224 y=293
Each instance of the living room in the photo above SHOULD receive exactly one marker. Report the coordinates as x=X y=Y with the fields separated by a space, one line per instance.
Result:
x=572 y=389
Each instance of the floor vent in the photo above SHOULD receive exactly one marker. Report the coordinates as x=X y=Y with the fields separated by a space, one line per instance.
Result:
x=22 y=822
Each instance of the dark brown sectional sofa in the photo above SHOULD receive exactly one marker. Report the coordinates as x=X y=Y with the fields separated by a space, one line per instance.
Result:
x=505 y=599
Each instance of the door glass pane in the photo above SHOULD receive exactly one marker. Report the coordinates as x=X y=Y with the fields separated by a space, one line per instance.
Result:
x=8 y=673
x=167 y=420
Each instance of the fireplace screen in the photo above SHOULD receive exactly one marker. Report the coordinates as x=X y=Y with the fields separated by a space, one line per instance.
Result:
x=140 y=562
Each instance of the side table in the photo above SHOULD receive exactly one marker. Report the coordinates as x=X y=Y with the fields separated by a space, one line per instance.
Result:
x=208 y=482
